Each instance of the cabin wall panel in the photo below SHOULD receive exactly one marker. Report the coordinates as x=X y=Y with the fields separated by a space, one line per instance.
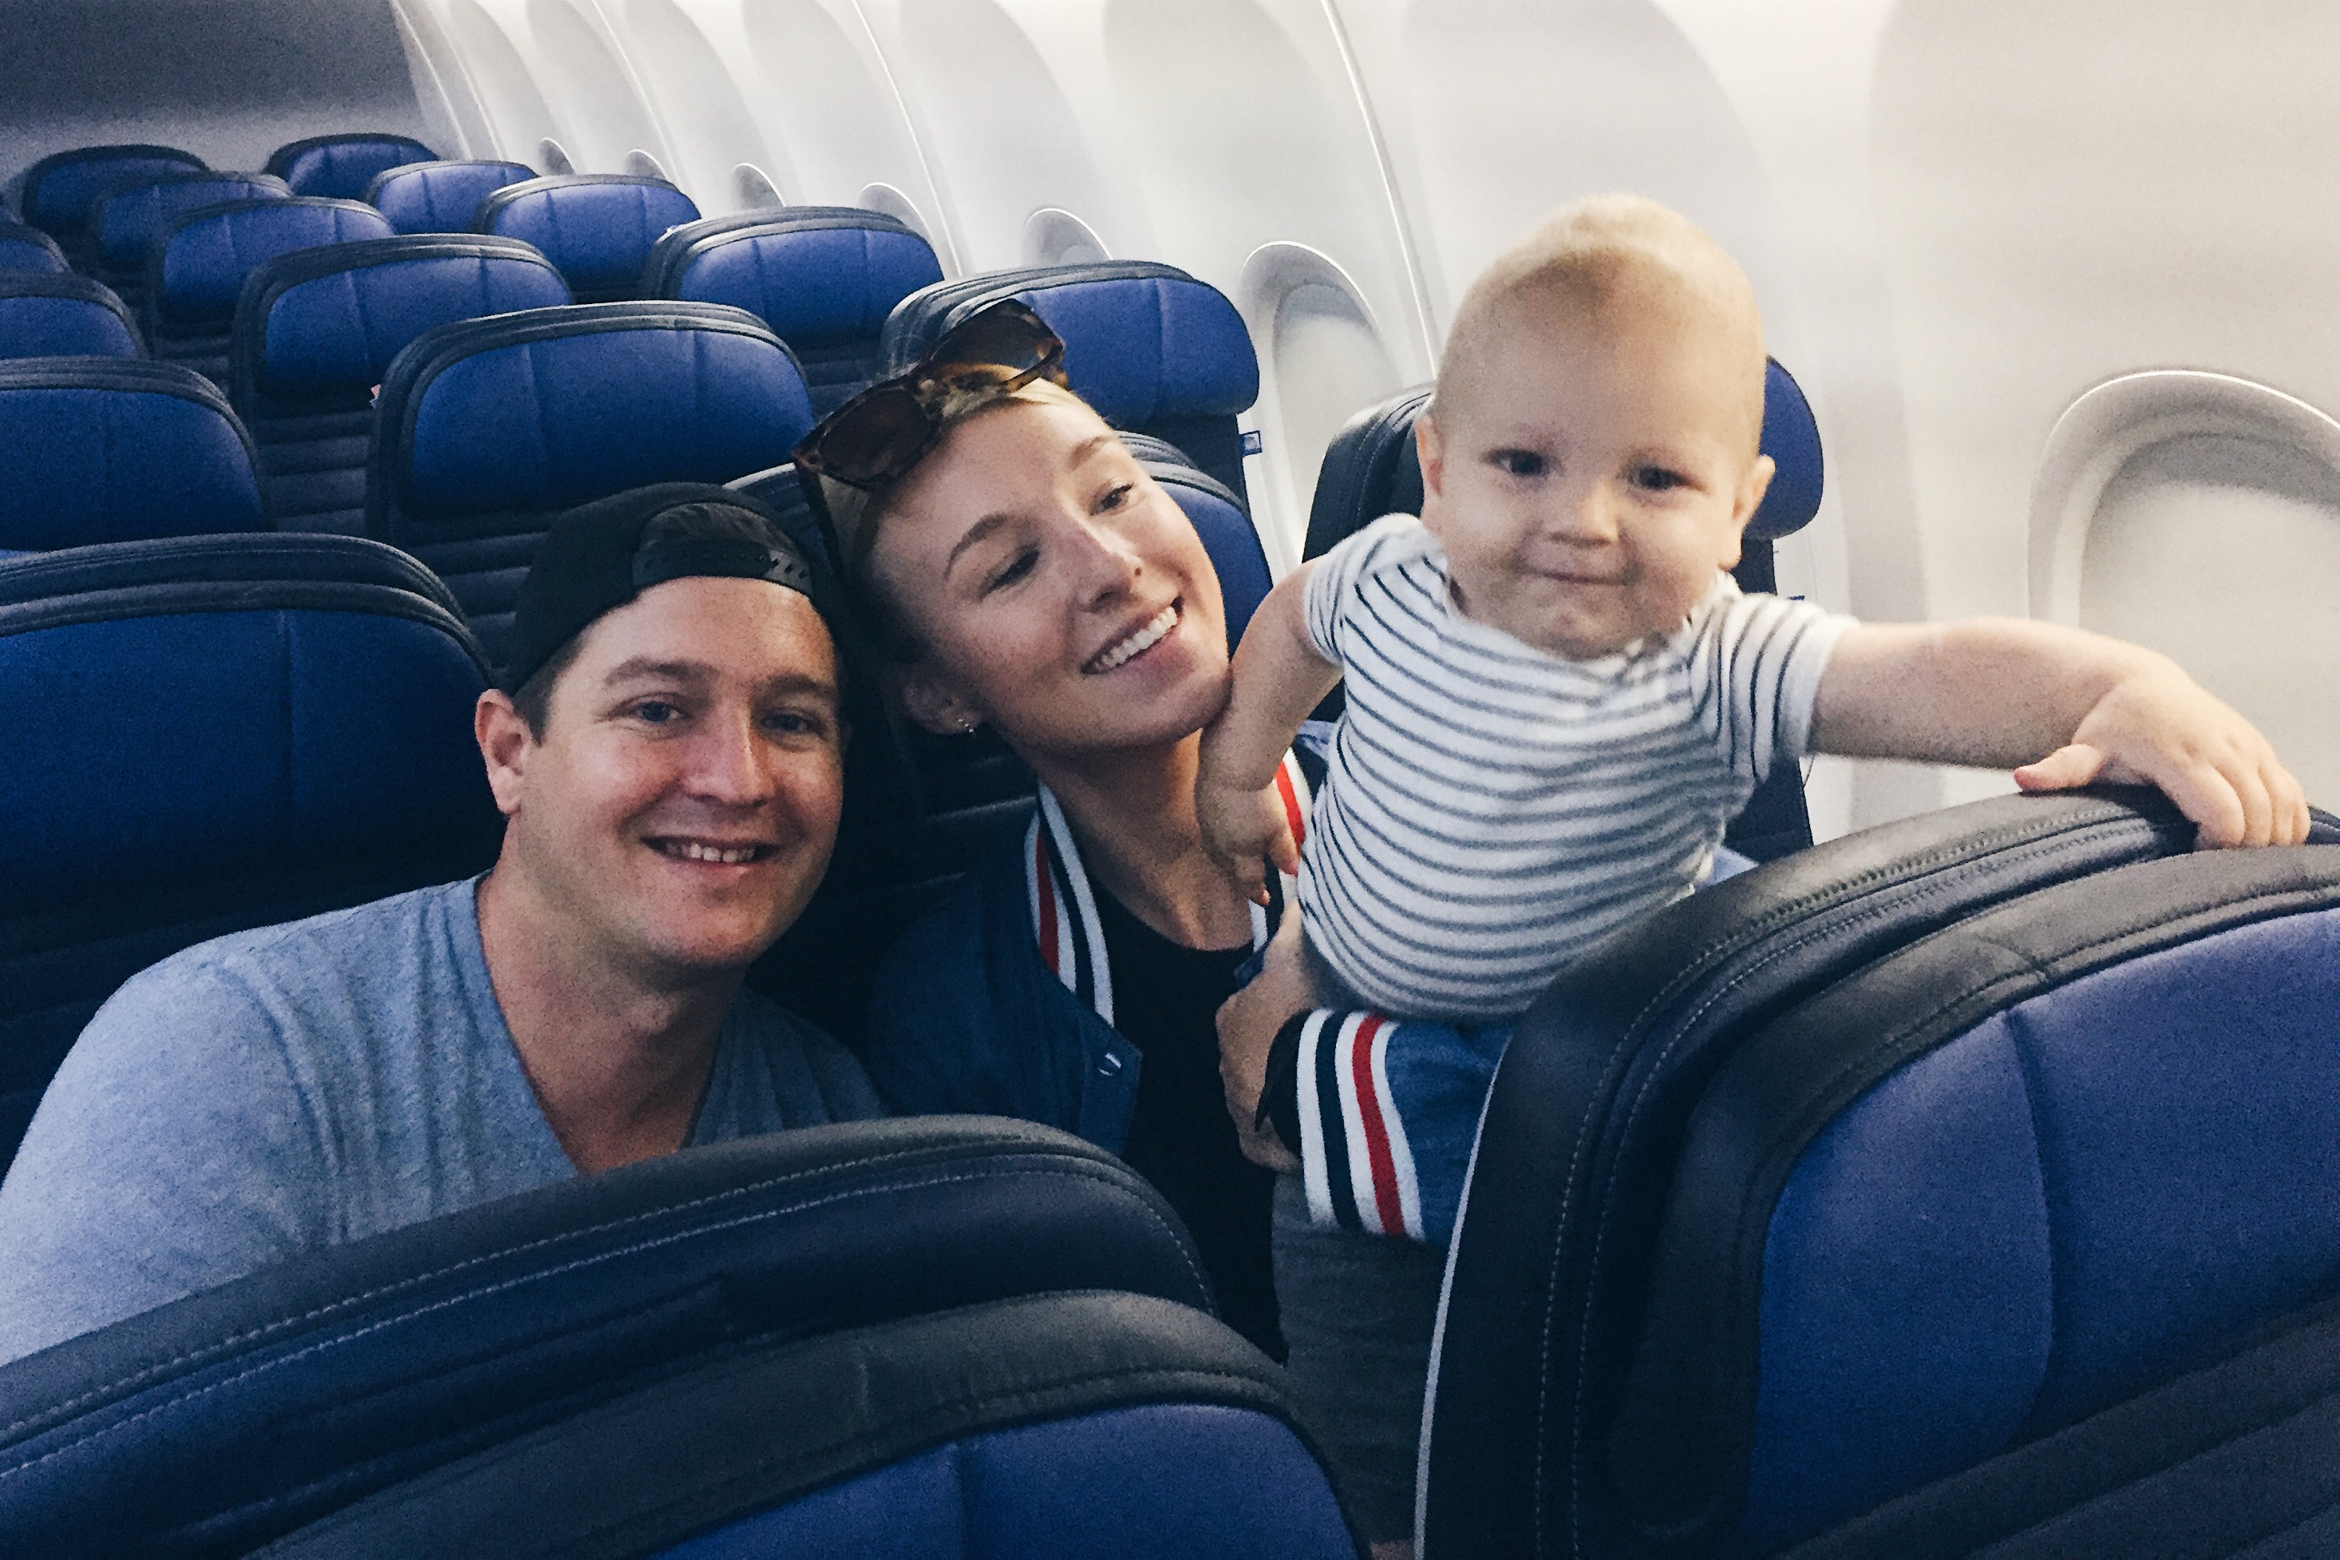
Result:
x=230 y=80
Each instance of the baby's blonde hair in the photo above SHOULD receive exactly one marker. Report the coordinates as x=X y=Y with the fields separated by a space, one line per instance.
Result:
x=1601 y=254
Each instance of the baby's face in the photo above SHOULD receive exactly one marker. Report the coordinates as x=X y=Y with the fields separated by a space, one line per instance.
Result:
x=1588 y=476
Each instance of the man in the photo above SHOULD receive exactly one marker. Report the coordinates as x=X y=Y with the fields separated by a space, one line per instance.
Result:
x=667 y=752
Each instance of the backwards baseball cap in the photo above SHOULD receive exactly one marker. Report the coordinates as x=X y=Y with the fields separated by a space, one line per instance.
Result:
x=599 y=556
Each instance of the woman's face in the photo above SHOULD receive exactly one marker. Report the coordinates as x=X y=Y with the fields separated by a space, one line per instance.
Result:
x=1057 y=591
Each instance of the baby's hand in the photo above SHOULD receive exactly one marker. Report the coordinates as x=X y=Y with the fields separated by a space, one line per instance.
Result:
x=1246 y=830
x=2161 y=728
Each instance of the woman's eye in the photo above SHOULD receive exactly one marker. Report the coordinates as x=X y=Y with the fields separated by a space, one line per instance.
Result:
x=1115 y=497
x=1657 y=479
x=1023 y=563
x=1520 y=463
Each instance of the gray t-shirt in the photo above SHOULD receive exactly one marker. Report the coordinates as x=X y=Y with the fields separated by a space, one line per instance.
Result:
x=303 y=1085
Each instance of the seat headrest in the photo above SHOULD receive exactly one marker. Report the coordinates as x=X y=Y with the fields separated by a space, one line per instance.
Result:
x=1143 y=343
x=329 y=321
x=533 y=413
x=1791 y=437
x=819 y=277
x=43 y=315
x=116 y=449
x=440 y=197
x=27 y=248
x=199 y=262
x=599 y=228
x=313 y=696
x=128 y=220
x=1223 y=522
x=60 y=189
x=339 y=167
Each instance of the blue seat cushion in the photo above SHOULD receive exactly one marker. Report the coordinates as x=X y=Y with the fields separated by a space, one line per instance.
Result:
x=127 y=222
x=201 y=260
x=329 y=324
x=27 y=248
x=339 y=167
x=599 y=228
x=60 y=189
x=111 y=449
x=816 y=286
x=44 y=315
x=440 y=197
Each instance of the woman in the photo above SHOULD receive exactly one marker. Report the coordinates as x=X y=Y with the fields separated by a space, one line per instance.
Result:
x=1024 y=574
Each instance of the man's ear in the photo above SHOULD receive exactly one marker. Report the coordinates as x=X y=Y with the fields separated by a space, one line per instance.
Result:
x=932 y=705
x=1752 y=487
x=504 y=745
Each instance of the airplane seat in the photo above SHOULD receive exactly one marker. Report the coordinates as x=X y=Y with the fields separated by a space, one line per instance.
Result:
x=823 y=277
x=197 y=264
x=24 y=247
x=60 y=189
x=1967 y=1185
x=1151 y=348
x=738 y=1337
x=486 y=429
x=210 y=733
x=315 y=331
x=127 y=222
x=339 y=167
x=1372 y=469
x=599 y=228
x=922 y=813
x=107 y=449
x=52 y=314
x=439 y=197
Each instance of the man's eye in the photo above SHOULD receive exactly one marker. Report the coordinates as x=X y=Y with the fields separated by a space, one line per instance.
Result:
x=657 y=712
x=796 y=723
x=1519 y=463
x=1657 y=479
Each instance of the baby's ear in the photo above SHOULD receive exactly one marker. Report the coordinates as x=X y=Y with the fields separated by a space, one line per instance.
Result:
x=1432 y=451
x=1752 y=487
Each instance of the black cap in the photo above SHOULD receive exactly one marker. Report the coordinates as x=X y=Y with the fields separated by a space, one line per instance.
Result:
x=601 y=555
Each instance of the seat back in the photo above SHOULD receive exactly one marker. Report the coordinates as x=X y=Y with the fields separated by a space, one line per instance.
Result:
x=1927 y=1149
x=212 y=733
x=49 y=315
x=1049 y=1426
x=315 y=331
x=397 y=1355
x=117 y=449
x=823 y=277
x=599 y=228
x=60 y=189
x=1151 y=348
x=439 y=197
x=1371 y=469
x=485 y=429
x=26 y=248
x=339 y=167
x=198 y=263
x=126 y=222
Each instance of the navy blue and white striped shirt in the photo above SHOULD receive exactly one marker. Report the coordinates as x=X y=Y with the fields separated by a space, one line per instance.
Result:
x=1492 y=809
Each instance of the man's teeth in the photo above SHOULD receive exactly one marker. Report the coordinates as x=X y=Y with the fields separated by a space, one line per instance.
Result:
x=1138 y=643
x=692 y=850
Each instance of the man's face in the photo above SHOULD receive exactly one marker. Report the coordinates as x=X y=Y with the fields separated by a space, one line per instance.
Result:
x=679 y=807
x=1592 y=474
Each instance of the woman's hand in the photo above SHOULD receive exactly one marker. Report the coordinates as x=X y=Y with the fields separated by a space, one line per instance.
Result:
x=1248 y=1022
x=1246 y=831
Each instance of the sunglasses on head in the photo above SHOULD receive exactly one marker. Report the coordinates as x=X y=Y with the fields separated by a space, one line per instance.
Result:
x=876 y=437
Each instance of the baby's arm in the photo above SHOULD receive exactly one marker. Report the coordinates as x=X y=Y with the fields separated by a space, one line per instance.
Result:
x=2002 y=692
x=1279 y=676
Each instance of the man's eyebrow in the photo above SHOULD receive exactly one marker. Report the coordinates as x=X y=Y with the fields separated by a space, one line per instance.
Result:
x=643 y=669
x=799 y=682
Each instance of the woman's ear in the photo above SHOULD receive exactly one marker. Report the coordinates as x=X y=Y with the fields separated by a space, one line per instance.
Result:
x=935 y=707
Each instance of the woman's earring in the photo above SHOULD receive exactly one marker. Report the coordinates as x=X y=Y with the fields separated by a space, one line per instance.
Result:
x=966 y=726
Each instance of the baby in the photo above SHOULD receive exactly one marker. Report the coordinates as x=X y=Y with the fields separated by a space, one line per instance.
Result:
x=1557 y=698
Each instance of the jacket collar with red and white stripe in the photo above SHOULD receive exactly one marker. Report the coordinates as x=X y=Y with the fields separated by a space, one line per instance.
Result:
x=1064 y=904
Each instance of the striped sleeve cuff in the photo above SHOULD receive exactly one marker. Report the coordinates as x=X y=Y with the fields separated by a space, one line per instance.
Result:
x=1354 y=1158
